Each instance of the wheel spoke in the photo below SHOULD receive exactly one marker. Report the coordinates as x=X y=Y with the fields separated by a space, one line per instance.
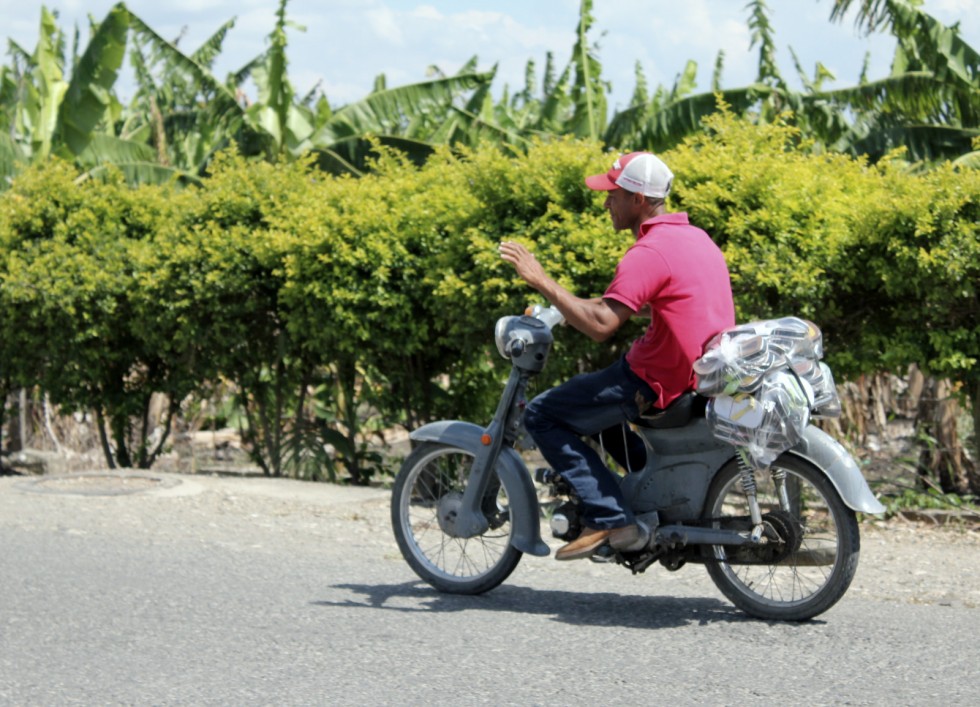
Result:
x=785 y=581
x=430 y=489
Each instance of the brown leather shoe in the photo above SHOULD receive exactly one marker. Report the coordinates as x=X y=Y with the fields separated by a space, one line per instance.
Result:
x=584 y=545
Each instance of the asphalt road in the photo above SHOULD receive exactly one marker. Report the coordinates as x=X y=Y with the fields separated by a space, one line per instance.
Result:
x=206 y=590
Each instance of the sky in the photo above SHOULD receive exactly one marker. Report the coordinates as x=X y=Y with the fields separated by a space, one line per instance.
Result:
x=347 y=43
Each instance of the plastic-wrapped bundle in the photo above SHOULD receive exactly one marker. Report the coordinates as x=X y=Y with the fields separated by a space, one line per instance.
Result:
x=766 y=423
x=737 y=359
x=823 y=392
x=765 y=379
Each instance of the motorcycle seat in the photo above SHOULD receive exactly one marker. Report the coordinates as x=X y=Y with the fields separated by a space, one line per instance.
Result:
x=677 y=414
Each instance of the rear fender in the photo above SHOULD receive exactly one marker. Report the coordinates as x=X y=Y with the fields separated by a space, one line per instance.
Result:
x=826 y=453
x=513 y=474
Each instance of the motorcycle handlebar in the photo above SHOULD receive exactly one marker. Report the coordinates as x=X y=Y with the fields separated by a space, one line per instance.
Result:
x=549 y=315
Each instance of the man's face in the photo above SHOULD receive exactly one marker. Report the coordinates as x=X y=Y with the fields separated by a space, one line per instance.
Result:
x=624 y=208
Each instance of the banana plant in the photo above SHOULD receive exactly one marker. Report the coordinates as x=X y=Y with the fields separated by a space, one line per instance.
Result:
x=287 y=125
x=208 y=114
x=180 y=107
x=589 y=90
x=31 y=94
x=49 y=112
x=174 y=112
x=180 y=116
x=529 y=113
x=672 y=114
x=413 y=118
x=574 y=103
x=932 y=107
x=929 y=104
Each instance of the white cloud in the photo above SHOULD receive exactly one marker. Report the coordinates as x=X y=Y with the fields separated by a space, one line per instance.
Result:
x=957 y=8
x=966 y=12
x=384 y=23
x=427 y=12
x=663 y=44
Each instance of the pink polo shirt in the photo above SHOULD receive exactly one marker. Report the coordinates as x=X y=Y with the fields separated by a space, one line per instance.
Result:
x=681 y=273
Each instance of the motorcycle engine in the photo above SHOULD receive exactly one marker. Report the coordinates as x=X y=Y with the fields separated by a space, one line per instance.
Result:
x=565 y=522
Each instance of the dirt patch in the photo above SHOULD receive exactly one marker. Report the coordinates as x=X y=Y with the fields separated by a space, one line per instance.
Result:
x=920 y=562
x=99 y=483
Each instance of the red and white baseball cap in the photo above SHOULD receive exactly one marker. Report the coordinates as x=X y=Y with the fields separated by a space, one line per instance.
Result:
x=641 y=172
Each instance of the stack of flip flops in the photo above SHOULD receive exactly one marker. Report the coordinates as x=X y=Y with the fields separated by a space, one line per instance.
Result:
x=765 y=380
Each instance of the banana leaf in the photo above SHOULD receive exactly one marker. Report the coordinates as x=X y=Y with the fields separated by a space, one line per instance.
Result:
x=557 y=104
x=387 y=112
x=38 y=113
x=211 y=48
x=271 y=112
x=352 y=155
x=185 y=64
x=916 y=93
x=331 y=162
x=659 y=128
x=89 y=93
x=941 y=48
x=470 y=129
x=108 y=149
x=587 y=94
x=970 y=160
x=10 y=156
x=924 y=143
x=143 y=173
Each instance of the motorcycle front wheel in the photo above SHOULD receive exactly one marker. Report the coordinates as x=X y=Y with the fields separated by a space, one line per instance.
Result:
x=426 y=493
x=813 y=551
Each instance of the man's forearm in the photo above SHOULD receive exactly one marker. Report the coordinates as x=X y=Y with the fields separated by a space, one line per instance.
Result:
x=596 y=318
x=592 y=317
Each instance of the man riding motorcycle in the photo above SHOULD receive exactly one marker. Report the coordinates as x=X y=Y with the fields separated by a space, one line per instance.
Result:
x=673 y=273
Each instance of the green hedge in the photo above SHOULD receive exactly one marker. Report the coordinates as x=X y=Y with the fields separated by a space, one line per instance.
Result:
x=330 y=300
x=885 y=259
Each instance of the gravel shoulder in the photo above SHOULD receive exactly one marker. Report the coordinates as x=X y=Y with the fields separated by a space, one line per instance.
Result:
x=901 y=560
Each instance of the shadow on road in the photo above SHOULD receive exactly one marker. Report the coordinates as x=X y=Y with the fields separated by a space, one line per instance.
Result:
x=577 y=608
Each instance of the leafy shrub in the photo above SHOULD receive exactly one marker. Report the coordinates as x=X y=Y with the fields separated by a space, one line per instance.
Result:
x=76 y=317
x=338 y=306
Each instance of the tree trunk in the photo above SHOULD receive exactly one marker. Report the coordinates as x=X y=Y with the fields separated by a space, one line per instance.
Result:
x=976 y=423
x=944 y=456
x=104 y=439
x=22 y=419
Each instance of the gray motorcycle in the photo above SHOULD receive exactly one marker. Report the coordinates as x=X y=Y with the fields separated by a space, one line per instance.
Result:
x=781 y=543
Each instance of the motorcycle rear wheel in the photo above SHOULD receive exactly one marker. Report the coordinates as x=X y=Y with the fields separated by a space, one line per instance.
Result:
x=812 y=577
x=433 y=478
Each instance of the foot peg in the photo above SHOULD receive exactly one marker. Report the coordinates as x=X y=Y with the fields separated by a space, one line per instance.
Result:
x=642 y=538
x=646 y=523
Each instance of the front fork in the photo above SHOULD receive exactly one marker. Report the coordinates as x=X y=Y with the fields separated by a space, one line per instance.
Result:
x=747 y=475
x=470 y=519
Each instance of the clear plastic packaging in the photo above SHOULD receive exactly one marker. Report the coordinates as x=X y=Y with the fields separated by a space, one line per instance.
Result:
x=738 y=358
x=817 y=375
x=766 y=380
x=549 y=315
x=766 y=423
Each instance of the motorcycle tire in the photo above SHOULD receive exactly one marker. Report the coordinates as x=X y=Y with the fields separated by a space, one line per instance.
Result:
x=431 y=480
x=819 y=560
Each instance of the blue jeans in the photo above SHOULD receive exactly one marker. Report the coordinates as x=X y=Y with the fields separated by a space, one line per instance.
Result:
x=591 y=404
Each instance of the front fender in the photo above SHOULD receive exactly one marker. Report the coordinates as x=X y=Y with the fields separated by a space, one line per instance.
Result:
x=513 y=474
x=828 y=454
